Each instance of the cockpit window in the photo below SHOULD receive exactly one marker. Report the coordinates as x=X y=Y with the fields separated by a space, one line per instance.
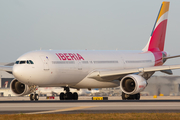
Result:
x=28 y=62
x=22 y=62
x=17 y=62
x=31 y=61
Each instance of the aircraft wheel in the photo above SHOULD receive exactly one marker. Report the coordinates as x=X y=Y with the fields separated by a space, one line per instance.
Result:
x=123 y=96
x=36 y=97
x=126 y=96
x=130 y=97
x=31 y=97
x=75 y=96
x=61 y=96
x=69 y=96
x=137 y=96
x=134 y=97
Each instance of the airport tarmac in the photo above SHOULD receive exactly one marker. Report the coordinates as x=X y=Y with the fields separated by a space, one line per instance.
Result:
x=87 y=107
x=25 y=106
x=24 y=98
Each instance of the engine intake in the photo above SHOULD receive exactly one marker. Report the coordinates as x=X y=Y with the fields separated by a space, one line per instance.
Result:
x=19 y=88
x=133 y=84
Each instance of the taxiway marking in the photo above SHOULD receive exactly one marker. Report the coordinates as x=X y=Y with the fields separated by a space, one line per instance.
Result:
x=62 y=110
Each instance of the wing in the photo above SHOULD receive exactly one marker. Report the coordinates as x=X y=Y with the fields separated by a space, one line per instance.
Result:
x=108 y=75
x=169 y=57
x=7 y=68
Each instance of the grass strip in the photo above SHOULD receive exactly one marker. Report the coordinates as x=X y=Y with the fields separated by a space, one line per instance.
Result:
x=86 y=116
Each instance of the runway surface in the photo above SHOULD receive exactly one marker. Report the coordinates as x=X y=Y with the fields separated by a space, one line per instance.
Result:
x=88 y=106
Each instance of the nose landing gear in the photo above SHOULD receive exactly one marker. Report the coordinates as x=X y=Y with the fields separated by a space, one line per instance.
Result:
x=68 y=95
x=34 y=97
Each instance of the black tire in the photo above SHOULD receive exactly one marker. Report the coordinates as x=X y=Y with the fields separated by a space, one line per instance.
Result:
x=61 y=96
x=36 y=97
x=132 y=97
x=69 y=96
x=137 y=96
x=123 y=96
x=75 y=96
x=31 y=97
x=128 y=97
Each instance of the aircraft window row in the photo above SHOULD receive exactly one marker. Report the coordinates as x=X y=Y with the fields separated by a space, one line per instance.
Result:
x=85 y=62
x=24 y=62
x=139 y=61
x=105 y=62
x=63 y=62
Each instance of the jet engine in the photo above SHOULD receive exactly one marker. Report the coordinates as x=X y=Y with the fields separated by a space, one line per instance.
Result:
x=19 y=88
x=133 y=84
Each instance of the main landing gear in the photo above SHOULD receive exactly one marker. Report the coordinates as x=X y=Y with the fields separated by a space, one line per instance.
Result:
x=34 y=97
x=130 y=97
x=68 y=95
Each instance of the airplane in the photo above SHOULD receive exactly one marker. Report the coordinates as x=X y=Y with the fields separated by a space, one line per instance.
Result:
x=93 y=68
x=5 y=84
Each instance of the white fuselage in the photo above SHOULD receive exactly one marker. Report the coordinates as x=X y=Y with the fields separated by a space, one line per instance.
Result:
x=71 y=68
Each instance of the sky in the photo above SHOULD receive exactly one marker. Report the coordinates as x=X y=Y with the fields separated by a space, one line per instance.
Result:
x=27 y=25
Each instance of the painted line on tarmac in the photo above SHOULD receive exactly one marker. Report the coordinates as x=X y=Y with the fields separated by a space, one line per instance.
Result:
x=62 y=110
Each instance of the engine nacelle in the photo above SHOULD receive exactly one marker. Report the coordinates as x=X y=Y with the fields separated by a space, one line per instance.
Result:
x=133 y=84
x=19 y=88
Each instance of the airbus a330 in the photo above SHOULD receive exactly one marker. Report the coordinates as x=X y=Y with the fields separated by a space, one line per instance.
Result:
x=93 y=69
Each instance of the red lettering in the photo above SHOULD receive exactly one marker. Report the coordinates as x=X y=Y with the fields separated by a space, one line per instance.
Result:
x=69 y=56
x=62 y=56
x=80 y=57
x=58 y=56
x=76 y=56
x=72 y=56
x=65 y=54
x=141 y=86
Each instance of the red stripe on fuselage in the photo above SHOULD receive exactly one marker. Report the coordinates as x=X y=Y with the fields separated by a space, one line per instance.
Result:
x=158 y=58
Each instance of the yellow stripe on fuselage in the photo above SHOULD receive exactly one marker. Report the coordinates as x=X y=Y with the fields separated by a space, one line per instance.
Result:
x=164 y=9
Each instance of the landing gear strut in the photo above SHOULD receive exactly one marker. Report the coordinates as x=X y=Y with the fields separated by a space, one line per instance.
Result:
x=130 y=97
x=68 y=95
x=34 y=97
x=33 y=90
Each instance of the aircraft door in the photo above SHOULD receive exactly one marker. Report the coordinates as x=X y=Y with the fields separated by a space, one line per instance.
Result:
x=122 y=63
x=79 y=65
x=45 y=61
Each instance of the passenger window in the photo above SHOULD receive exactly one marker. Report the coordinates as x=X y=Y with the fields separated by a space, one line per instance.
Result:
x=17 y=62
x=22 y=62
x=31 y=61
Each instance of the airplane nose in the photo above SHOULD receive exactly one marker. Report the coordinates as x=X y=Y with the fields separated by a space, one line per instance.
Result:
x=20 y=73
x=17 y=71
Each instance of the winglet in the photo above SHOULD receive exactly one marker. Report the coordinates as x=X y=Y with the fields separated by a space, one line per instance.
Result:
x=158 y=34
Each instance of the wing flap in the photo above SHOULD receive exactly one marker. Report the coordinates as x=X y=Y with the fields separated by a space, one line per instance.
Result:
x=101 y=75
